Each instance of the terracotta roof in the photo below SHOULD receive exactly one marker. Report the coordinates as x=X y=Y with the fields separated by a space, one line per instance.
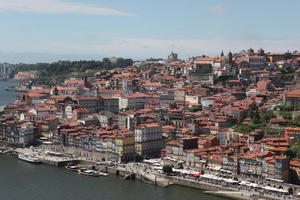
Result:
x=294 y=93
x=173 y=143
x=295 y=163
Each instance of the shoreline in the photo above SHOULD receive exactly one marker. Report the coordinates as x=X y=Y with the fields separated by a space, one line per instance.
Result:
x=118 y=179
x=162 y=180
x=132 y=171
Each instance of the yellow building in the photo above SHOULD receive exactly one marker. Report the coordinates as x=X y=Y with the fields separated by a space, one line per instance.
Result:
x=125 y=148
x=193 y=99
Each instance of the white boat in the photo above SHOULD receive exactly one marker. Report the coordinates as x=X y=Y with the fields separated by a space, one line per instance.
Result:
x=29 y=158
x=89 y=172
x=103 y=174
x=94 y=173
x=71 y=167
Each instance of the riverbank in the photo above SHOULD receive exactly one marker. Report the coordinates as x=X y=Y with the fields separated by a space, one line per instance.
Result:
x=22 y=180
x=130 y=170
x=59 y=156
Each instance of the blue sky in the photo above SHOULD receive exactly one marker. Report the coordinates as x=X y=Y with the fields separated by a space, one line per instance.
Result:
x=48 y=30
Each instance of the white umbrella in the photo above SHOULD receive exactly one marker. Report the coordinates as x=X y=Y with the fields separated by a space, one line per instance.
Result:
x=253 y=185
x=244 y=183
x=283 y=191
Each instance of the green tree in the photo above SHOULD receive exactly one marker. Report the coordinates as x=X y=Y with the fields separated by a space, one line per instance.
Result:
x=106 y=63
x=253 y=111
x=266 y=115
x=294 y=151
x=122 y=63
x=167 y=169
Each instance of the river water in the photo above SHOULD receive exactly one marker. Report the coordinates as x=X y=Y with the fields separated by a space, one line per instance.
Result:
x=25 y=181
x=7 y=96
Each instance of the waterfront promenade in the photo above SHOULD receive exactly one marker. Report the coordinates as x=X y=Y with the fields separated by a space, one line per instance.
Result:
x=210 y=186
x=59 y=156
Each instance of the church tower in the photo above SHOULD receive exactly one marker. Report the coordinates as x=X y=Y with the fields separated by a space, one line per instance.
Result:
x=230 y=58
x=222 y=54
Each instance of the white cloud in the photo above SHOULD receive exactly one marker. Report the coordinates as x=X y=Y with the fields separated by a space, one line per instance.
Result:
x=57 y=7
x=217 y=9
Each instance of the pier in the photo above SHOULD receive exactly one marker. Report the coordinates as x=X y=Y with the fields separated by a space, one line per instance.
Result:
x=48 y=158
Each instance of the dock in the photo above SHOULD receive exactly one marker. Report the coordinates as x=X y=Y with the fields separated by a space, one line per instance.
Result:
x=46 y=158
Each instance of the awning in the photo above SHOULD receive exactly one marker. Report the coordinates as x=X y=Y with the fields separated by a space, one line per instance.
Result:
x=171 y=159
x=209 y=176
x=226 y=171
x=229 y=180
x=277 y=180
x=158 y=168
x=212 y=167
x=47 y=142
x=152 y=161
x=253 y=185
x=197 y=175
x=283 y=191
x=244 y=183
x=183 y=171
x=272 y=189
x=156 y=164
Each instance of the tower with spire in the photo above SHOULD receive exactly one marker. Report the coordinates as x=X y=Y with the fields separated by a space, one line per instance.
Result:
x=230 y=58
x=222 y=54
x=172 y=57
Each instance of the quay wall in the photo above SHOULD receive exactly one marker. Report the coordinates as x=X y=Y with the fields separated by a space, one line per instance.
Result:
x=186 y=183
x=157 y=179
x=206 y=187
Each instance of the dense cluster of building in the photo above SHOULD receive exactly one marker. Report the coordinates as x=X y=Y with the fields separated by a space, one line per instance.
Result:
x=178 y=110
x=6 y=70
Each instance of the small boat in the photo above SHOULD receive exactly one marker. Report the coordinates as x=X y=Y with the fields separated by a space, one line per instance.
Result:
x=89 y=172
x=103 y=174
x=71 y=168
x=29 y=158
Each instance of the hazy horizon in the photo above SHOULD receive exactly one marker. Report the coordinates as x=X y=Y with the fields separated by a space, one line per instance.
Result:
x=50 y=30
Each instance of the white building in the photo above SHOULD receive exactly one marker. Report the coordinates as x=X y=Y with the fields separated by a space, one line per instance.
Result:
x=136 y=100
x=148 y=140
x=26 y=133
x=69 y=112
x=42 y=113
x=207 y=101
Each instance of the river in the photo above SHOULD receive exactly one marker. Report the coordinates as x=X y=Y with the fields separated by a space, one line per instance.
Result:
x=7 y=96
x=21 y=180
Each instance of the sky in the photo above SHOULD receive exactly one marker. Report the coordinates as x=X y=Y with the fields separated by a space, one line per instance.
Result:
x=50 y=30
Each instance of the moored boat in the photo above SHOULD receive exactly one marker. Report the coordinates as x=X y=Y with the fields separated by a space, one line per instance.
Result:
x=29 y=158
x=103 y=174
x=89 y=172
x=71 y=168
